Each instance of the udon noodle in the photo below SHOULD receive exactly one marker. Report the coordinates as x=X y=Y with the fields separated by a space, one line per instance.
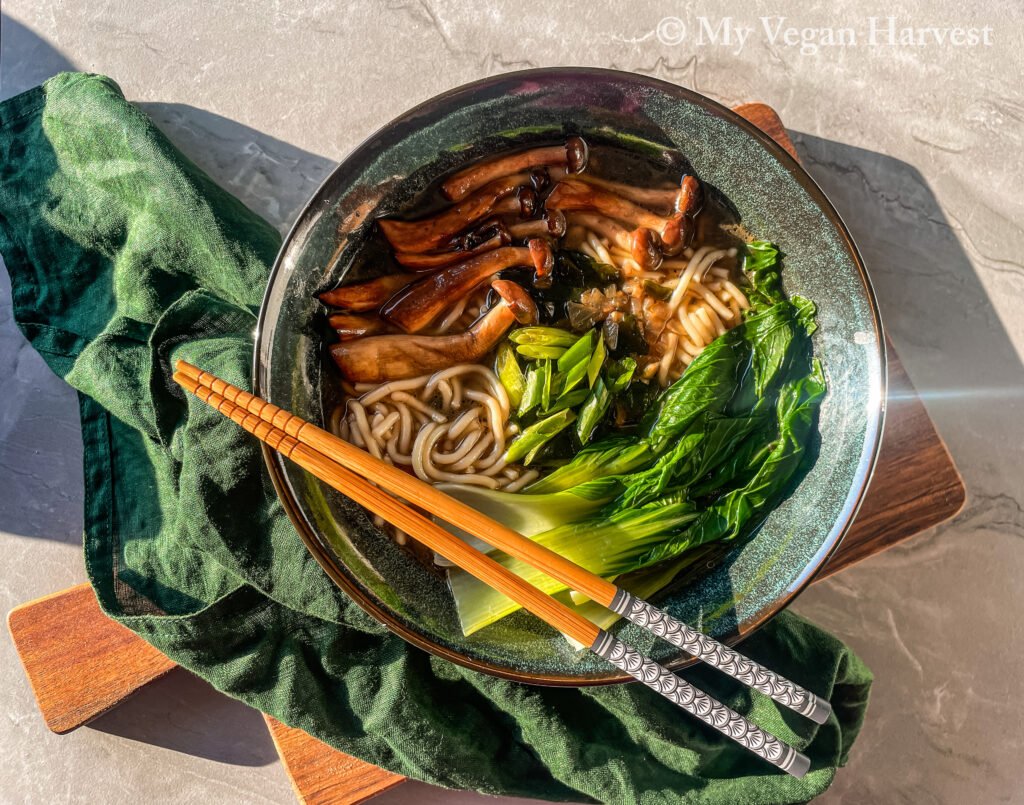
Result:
x=453 y=426
x=450 y=426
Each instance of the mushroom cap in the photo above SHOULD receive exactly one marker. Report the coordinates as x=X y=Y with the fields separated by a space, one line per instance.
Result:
x=645 y=248
x=677 y=233
x=540 y=178
x=555 y=219
x=577 y=154
x=542 y=255
x=690 y=199
x=490 y=230
x=528 y=201
x=519 y=301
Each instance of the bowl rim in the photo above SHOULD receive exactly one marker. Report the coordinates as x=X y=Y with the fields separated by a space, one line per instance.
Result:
x=873 y=432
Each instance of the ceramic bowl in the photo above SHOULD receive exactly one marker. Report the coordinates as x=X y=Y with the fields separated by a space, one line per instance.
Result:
x=775 y=199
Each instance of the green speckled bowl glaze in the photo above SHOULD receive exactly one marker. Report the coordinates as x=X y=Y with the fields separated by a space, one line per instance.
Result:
x=775 y=200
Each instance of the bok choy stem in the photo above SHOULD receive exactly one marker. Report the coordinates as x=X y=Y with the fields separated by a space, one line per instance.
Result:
x=605 y=546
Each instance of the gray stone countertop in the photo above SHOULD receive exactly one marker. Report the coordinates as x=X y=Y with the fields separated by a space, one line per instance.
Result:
x=919 y=146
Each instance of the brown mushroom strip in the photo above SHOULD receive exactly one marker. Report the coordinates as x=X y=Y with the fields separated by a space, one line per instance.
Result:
x=572 y=194
x=552 y=224
x=507 y=195
x=686 y=198
x=603 y=226
x=430 y=261
x=367 y=295
x=572 y=156
x=655 y=198
x=396 y=357
x=422 y=303
x=643 y=244
x=353 y=325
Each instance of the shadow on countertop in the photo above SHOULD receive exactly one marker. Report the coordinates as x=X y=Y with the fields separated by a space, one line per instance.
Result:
x=26 y=59
x=271 y=177
x=934 y=305
x=183 y=713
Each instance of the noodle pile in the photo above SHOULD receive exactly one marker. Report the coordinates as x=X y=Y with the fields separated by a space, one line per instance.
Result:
x=451 y=426
x=703 y=304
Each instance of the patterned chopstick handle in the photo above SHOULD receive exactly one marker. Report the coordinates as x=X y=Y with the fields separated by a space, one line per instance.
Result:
x=697 y=703
x=721 y=657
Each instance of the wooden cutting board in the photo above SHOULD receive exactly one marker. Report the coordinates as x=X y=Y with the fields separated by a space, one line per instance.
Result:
x=81 y=664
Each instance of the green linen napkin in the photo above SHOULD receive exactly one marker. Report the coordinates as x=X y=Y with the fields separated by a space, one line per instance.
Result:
x=123 y=257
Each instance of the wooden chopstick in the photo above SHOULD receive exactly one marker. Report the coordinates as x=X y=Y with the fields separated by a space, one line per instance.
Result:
x=427 y=531
x=638 y=611
x=551 y=611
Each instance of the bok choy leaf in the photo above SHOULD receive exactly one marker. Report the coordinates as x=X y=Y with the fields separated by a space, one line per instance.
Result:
x=709 y=440
x=532 y=514
x=797 y=412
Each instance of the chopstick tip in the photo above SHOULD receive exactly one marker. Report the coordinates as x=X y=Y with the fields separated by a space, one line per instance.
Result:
x=821 y=711
x=800 y=766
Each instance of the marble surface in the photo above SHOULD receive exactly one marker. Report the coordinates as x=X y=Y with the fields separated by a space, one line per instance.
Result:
x=918 y=146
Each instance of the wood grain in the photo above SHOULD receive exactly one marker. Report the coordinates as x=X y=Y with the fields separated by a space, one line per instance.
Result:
x=321 y=775
x=766 y=119
x=79 y=662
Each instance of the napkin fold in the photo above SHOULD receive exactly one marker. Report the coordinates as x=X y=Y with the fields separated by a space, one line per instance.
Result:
x=124 y=257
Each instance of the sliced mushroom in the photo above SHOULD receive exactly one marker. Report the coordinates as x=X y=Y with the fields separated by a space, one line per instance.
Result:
x=422 y=303
x=507 y=195
x=367 y=295
x=430 y=261
x=686 y=198
x=572 y=194
x=395 y=357
x=354 y=325
x=643 y=244
x=572 y=156
x=654 y=198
